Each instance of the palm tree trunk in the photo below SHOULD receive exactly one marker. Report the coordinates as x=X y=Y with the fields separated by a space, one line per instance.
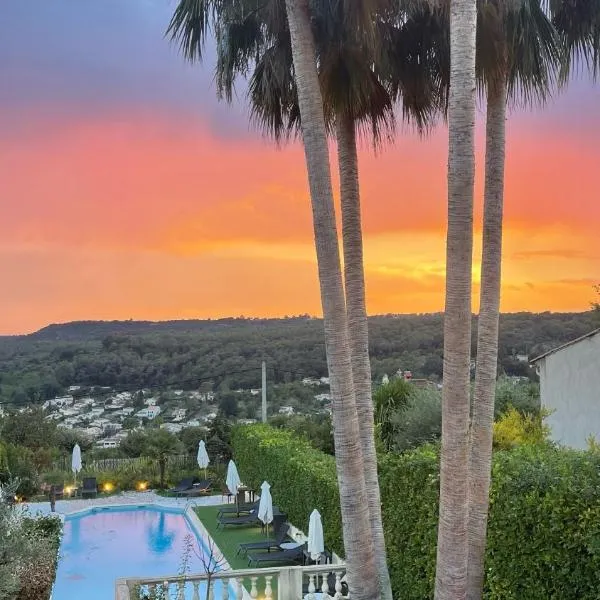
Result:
x=482 y=420
x=358 y=333
x=451 y=567
x=358 y=544
x=162 y=466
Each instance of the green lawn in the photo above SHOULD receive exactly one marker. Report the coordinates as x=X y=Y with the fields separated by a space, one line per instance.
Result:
x=228 y=539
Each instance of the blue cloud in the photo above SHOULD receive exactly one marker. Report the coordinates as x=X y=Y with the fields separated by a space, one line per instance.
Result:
x=82 y=57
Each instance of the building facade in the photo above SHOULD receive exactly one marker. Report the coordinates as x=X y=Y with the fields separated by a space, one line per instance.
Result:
x=570 y=390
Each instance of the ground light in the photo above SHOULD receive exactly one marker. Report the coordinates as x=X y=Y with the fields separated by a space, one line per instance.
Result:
x=142 y=486
x=108 y=487
x=69 y=490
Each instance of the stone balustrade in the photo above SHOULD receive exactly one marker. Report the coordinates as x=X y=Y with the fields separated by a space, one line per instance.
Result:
x=317 y=582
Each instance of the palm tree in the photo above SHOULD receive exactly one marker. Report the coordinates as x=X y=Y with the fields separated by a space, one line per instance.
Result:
x=355 y=512
x=356 y=98
x=517 y=56
x=451 y=566
x=161 y=445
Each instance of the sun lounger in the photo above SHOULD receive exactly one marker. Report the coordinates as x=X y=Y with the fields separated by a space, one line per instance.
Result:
x=183 y=485
x=252 y=519
x=293 y=555
x=198 y=489
x=234 y=510
x=266 y=544
x=89 y=487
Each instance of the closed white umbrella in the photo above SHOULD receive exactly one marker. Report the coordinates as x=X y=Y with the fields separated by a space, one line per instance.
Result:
x=76 y=460
x=265 y=506
x=233 y=480
x=316 y=545
x=203 y=459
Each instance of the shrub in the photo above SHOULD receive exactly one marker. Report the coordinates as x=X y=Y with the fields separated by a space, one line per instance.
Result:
x=29 y=553
x=516 y=429
x=544 y=524
x=388 y=399
x=419 y=422
x=525 y=397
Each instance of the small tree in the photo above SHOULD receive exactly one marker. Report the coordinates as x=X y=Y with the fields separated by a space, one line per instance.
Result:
x=161 y=445
x=388 y=399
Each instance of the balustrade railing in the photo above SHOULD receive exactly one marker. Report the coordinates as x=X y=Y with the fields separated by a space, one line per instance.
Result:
x=317 y=582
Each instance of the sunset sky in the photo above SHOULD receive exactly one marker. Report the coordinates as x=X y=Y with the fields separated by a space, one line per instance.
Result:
x=127 y=190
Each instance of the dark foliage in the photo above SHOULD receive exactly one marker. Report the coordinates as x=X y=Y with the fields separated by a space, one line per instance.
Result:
x=227 y=353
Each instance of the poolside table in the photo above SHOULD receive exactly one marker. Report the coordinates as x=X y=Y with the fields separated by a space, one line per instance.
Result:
x=241 y=495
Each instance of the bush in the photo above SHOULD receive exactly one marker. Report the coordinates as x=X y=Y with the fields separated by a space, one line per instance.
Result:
x=525 y=397
x=544 y=524
x=419 y=422
x=517 y=429
x=389 y=399
x=29 y=553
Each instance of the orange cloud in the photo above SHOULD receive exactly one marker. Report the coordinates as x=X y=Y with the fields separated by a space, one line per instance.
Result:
x=133 y=217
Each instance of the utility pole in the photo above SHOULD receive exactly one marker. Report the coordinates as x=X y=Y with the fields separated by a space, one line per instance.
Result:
x=264 y=391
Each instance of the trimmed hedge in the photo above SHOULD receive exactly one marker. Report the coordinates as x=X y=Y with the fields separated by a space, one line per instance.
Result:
x=301 y=477
x=544 y=524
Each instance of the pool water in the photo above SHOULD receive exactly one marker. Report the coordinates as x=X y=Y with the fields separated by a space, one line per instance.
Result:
x=104 y=544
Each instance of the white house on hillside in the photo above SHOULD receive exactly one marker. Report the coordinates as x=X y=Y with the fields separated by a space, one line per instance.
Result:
x=570 y=389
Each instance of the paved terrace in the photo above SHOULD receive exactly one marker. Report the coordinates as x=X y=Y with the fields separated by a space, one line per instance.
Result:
x=67 y=507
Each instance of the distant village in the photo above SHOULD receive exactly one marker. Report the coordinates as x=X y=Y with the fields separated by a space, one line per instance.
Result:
x=107 y=416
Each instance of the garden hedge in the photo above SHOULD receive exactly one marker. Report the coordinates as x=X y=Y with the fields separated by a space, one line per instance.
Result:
x=544 y=524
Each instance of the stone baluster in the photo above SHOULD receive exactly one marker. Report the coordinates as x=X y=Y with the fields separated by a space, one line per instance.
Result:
x=268 y=588
x=311 y=587
x=162 y=590
x=253 y=588
x=196 y=594
x=181 y=590
x=225 y=589
x=152 y=591
x=338 y=586
x=239 y=593
x=325 y=586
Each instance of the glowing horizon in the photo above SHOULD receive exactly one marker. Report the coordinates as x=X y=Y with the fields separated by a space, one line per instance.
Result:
x=128 y=191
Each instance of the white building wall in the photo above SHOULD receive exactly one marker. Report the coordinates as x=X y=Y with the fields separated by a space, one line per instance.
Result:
x=570 y=388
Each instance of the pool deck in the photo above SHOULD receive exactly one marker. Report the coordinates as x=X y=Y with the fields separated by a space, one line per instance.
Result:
x=67 y=507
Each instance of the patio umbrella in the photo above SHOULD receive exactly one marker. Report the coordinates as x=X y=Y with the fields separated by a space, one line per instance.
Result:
x=265 y=506
x=316 y=545
x=76 y=460
x=203 y=459
x=233 y=480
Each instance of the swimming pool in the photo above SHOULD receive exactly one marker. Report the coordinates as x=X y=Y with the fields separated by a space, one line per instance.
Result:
x=103 y=544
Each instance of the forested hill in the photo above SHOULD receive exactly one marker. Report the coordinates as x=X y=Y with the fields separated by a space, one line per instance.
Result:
x=228 y=352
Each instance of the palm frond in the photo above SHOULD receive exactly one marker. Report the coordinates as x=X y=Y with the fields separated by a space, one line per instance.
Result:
x=238 y=42
x=578 y=25
x=272 y=93
x=189 y=27
x=534 y=53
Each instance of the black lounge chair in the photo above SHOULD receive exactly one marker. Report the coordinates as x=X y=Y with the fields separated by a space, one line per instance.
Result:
x=89 y=487
x=198 y=489
x=266 y=544
x=183 y=485
x=232 y=510
x=252 y=519
x=293 y=555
